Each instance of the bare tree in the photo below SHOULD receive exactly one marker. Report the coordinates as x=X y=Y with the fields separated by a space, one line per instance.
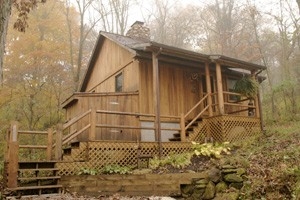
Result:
x=85 y=29
x=113 y=14
x=298 y=3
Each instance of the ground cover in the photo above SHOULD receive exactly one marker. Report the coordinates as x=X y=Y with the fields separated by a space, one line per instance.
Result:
x=271 y=159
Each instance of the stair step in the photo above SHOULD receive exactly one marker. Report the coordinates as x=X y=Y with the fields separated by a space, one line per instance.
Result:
x=38 y=178
x=174 y=139
x=190 y=128
x=75 y=144
x=38 y=169
x=67 y=150
x=177 y=135
x=35 y=187
x=35 y=165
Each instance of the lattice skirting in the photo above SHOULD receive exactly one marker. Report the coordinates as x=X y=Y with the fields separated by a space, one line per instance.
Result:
x=97 y=154
x=227 y=128
x=103 y=153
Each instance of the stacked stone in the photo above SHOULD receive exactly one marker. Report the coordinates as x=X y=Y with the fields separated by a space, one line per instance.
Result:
x=138 y=30
x=221 y=183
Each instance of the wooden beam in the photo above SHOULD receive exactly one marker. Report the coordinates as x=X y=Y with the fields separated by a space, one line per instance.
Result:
x=156 y=100
x=49 y=144
x=92 y=135
x=256 y=103
x=220 y=89
x=182 y=127
x=208 y=89
x=58 y=146
x=13 y=164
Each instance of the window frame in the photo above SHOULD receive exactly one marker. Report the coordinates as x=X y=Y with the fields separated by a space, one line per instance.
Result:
x=119 y=82
x=231 y=81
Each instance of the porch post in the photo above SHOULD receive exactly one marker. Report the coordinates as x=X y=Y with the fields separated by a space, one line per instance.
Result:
x=49 y=144
x=208 y=89
x=156 y=100
x=256 y=103
x=58 y=145
x=92 y=134
x=220 y=89
x=13 y=156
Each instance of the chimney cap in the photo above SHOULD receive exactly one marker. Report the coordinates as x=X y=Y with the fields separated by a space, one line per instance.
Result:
x=138 y=23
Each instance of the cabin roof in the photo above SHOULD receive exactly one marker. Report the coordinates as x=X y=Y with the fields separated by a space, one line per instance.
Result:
x=141 y=47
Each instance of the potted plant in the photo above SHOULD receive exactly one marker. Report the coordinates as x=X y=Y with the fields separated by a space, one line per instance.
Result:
x=248 y=87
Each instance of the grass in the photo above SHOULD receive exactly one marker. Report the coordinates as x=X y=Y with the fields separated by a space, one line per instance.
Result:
x=273 y=160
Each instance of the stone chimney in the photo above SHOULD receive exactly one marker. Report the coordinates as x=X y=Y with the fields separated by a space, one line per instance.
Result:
x=138 y=30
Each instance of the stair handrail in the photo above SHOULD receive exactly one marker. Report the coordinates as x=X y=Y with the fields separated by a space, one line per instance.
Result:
x=183 y=117
x=76 y=119
x=195 y=106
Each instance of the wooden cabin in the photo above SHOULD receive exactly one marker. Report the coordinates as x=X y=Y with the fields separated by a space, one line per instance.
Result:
x=138 y=99
x=139 y=90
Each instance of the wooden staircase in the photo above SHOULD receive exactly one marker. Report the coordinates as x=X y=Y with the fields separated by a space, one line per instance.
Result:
x=76 y=152
x=189 y=131
x=37 y=178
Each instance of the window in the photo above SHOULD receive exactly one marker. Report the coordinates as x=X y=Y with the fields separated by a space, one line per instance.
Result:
x=230 y=85
x=119 y=82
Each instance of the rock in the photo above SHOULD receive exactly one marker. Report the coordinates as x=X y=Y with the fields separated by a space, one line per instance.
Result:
x=233 y=178
x=241 y=171
x=210 y=191
x=229 y=171
x=228 y=167
x=237 y=185
x=200 y=186
x=214 y=175
x=201 y=182
x=187 y=189
x=221 y=187
x=198 y=193
x=227 y=196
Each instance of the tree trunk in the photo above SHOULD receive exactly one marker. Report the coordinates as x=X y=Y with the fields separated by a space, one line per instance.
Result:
x=298 y=2
x=5 y=9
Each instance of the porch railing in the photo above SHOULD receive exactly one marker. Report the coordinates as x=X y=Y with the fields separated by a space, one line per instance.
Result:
x=88 y=122
x=184 y=117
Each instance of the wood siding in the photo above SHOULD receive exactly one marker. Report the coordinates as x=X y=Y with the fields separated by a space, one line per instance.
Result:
x=112 y=60
x=121 y=103
x=178 y=91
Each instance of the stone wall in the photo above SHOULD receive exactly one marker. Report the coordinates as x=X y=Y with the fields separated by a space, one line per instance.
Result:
x=130 y=184
x=220 y=184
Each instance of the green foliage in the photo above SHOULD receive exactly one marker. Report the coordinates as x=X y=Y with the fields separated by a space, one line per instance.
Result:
x=116 y=169
x=211 y=150
x=85 y=171
x=247 y=86
x=178 y=161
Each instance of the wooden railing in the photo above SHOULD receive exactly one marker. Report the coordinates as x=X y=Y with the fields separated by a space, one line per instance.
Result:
x=65 y=133
x=92 y=124
x=13 y=147
x=177 y=118
x=184 y=117
x=238 y=104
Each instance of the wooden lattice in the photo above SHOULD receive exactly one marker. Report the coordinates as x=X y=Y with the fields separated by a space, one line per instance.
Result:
x=103 y=153
x=78 y=154
x=97 y=154
x=232 y=128
x=199 y=133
